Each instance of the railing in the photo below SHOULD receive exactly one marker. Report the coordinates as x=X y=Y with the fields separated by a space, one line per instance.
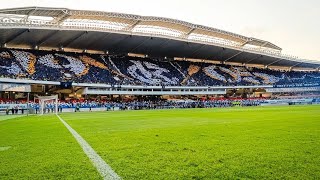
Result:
x=29 y=81
x=156 y=91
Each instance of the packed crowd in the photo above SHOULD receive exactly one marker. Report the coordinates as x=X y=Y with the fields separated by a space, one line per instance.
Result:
x=78 y=105
x=114 y=69
x=158 y=104
x=143 y=104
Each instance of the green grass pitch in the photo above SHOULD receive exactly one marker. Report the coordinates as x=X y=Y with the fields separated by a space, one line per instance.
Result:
x=231 y=143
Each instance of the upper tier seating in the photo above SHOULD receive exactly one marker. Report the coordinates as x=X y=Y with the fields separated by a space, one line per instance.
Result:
x=113 y=69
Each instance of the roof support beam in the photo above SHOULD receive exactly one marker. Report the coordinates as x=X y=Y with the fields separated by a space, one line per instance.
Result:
x=260 y=56
x=65 y=16
x=140 y=44
x=195 y=51
x=245 y=43
x=186 y=35
x=233 y=56
x=191 y=31
x=44 y=39
x=30 y=13
x=264 y=44
x=66 y=44
x=296 y=65
x=13 y=37
x=221 y=52
x=94 y=42
x=274 y=62
x=59 y=19
x=129 y=28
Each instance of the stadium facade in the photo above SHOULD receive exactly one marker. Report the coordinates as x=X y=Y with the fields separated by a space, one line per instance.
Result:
x=76 y=53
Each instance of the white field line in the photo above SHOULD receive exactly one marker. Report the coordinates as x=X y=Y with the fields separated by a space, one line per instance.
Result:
x=103 y=168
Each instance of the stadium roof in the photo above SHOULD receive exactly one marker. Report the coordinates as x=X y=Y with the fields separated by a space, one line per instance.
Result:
x=127 y=33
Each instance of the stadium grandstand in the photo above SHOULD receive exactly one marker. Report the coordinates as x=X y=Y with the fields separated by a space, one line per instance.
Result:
x=105 y=60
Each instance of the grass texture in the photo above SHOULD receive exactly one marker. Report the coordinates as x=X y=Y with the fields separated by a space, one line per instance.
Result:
x=231 y=143
x=40 y=147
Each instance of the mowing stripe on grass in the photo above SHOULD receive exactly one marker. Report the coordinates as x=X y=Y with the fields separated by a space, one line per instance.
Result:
x=8 y=117
x=103 y=168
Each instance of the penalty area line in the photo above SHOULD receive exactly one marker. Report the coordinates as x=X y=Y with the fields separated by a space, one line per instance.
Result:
x=103 y=168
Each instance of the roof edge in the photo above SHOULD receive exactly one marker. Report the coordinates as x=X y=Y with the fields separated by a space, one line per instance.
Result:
x=139 y=17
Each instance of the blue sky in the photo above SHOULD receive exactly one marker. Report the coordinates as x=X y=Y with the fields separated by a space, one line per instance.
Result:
x=293 y=25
